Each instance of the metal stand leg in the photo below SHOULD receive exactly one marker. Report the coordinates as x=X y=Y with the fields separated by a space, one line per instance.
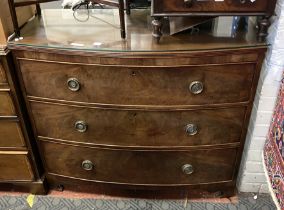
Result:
x=122 y=19
x=14 y=18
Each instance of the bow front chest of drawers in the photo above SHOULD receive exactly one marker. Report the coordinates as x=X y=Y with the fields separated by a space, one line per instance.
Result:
x=133 y=114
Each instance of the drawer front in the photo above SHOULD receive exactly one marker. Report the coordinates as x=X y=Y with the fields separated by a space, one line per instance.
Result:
x=139 y=86
x=6 y=104
x=210 y=6
x=3 y=79
x=138 y=128
x=11 y=134
x=15 y=166
x=140 y=167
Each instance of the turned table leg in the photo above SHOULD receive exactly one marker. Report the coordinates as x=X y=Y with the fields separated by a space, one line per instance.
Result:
x=263 y=26
x=157 y=29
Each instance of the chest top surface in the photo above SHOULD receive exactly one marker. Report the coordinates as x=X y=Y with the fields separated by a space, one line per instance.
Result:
x=98 y=30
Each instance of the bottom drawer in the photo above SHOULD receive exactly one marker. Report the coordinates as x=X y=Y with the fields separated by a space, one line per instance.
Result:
x=15 y=166
x=135 y=167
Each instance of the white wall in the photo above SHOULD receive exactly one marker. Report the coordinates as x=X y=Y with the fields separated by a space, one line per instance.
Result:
x=251 y=177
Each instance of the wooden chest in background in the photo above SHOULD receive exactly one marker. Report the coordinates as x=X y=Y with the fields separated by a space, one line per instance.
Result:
x=20 y=165
x=19 y=161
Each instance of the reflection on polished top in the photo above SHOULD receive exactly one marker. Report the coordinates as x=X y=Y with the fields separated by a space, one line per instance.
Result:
x=100 y=31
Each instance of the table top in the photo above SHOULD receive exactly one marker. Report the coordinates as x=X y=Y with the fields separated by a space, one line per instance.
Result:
x=99 y=30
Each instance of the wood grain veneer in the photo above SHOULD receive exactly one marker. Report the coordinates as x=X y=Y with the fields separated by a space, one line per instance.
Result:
x=140 y=167
x=3 y=79
x=15 y=166
x=137 y=128
x=139 y=86
x=6 y=104
x=11 y=134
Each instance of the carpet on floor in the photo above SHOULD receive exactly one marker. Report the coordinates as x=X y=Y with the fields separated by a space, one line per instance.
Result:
x=243 y=202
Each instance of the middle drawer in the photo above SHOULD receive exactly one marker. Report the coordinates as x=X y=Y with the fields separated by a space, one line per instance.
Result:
x=6 y=104
x=11 y=134
x=138 y=128
x=3 y=79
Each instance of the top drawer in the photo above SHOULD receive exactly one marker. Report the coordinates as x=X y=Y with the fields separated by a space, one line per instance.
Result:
x=186 y=85
x=163 y=6
x=3 y=79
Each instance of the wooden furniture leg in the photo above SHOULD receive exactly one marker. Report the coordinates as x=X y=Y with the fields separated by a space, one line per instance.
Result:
x=157 y=29
x=38 y=10
x=263 y=26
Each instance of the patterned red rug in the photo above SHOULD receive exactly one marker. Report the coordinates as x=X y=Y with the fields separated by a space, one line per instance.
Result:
x=274 y=150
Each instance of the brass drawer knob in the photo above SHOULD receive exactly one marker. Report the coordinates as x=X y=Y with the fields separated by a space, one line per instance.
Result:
x=187 y=169
x=191 y=129
x=87 y=165
x=196 y=87
x=73 y=84
x=81 y=126
x=188 y=3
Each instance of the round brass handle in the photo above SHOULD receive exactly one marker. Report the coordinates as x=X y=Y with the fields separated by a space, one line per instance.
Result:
x=87 y=165
x=188 y=3
x=196 y=87
x=73 y=84
x=81 y=126
x=191 y=129
x=187 y=169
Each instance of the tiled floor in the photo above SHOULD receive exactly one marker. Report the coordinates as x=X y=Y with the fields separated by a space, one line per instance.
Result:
x=57 y=202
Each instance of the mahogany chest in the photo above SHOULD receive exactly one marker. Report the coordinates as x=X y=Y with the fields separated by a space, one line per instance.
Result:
x=138 y=116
